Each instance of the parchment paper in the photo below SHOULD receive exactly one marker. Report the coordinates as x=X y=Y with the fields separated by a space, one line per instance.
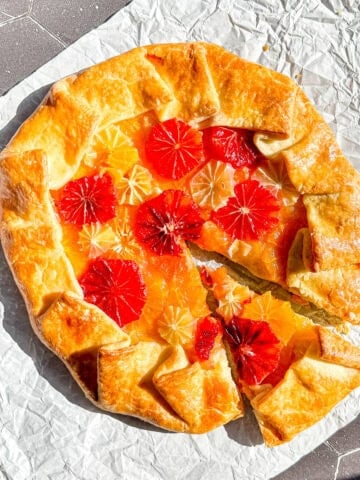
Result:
x=48 y=428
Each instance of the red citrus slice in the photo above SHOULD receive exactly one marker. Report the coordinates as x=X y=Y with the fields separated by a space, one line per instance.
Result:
x=116 y=286
x=232 y=145
x=164 y=221
x=255 y=348
x=174 y=148
x=88 y=199
x=206 y=331
x=249 y=214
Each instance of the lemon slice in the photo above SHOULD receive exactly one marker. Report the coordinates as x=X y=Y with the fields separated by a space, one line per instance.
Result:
x=176 y=325
x=136 y=186
x=274 y=176
x=95 y=239
x=229 y=294
x=213 y=185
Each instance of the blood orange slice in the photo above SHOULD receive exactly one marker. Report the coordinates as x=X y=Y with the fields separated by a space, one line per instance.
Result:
x=164 y=221
x=116 y=286
x=254 y=347
x=250 y=214
x=206 y=332
x=173 y=148
x=89 y=199
x=232 y=145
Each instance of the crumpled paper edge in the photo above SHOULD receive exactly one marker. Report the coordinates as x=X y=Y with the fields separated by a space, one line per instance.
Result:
x=254 y=461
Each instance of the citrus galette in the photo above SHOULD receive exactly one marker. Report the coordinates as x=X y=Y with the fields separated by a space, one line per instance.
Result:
x=124 y=166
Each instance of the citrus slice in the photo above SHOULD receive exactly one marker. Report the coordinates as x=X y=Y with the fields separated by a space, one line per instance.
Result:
x=213 y=185
x=95 y=239
x=116 y=286
x=232 y=145
x=112 y=151
x=278 y=313
x=207 y=330
x=176 y=325
x=163 y=222
x=230 y=295
x=89 y=199
x=274 y=176
x=126 y=245
x=254 y=348
x=136 y=186
x=250 y=214
x=173 y=148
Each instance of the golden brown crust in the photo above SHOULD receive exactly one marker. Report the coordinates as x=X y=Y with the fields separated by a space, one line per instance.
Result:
x=186 y=72
x=125 y=383
x=204 y=395
x=334 y=228
x=310 y=389
x=312 y=386
x=196 y=82
x=42 y=270
x=336 y=290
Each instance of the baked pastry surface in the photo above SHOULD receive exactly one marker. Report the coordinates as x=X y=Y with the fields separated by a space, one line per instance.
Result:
x=93 y=131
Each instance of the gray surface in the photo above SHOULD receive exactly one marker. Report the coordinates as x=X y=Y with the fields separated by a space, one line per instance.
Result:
x=32 y=32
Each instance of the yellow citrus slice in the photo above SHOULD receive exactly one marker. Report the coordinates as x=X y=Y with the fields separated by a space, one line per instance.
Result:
x=136 y=186
x=213 y=185
x=273 y=175
x=278 y=313
x=126 y=246
x=95 y=239
x=176 y=325
x=113 y=151
x=229 y=293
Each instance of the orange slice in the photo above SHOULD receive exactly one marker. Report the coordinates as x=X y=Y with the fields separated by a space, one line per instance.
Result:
x=278 y=313
x=112 y=151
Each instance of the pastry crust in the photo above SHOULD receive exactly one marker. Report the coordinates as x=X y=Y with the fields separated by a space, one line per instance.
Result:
x=336 y=290
x=202 y=84
x=312 y=386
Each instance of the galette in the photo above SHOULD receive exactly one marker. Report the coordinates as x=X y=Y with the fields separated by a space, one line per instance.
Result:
x=128 y=168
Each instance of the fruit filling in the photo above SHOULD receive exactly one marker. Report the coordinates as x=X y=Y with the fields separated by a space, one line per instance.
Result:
x=144 y=188
x=164 y=221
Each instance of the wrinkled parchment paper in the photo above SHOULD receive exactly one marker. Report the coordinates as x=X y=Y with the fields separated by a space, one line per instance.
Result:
x=48 y=428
